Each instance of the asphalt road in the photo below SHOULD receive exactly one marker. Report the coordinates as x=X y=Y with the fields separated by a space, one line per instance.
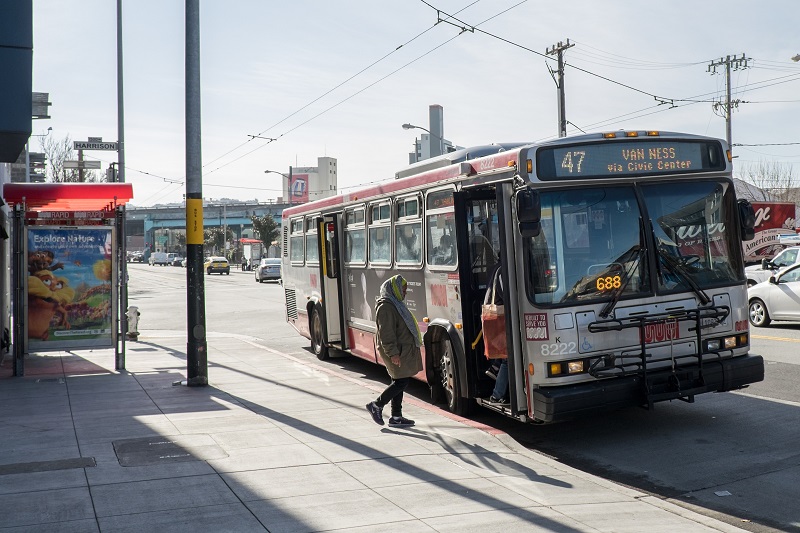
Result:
x=733 y=456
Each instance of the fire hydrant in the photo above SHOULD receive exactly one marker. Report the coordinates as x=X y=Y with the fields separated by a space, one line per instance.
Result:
x=133 y=322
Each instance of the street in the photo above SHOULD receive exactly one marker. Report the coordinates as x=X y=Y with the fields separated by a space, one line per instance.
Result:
x=732 y=456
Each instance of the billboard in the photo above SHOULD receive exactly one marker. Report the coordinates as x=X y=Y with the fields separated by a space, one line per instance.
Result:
x=70 y=287
x=298 y=193
x=773 y=219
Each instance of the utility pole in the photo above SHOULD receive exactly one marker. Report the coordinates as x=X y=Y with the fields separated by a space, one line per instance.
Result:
x=558 y=77
x=80 y=166
x=119 y=175
x=737 y=63
x=289 y=186
x=196 y=347
x=225 y=230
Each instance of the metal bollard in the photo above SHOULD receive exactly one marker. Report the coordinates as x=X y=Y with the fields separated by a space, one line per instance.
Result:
x=133 y=322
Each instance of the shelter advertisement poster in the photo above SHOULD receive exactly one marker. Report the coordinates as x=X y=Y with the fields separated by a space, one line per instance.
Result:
x=70 y=287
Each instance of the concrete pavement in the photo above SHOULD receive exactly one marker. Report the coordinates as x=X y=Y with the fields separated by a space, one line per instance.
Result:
x=277 y=444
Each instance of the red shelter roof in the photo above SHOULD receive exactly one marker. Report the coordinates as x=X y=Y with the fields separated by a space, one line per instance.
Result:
x=68 y=196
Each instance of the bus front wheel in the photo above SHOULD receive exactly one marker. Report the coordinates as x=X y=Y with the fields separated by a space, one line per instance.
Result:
x=449 y=379
x=317 y=344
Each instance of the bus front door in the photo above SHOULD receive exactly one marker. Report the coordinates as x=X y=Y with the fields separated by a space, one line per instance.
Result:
x=478 y=235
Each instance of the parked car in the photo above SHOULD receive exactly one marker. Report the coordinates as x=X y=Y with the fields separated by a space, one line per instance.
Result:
x=135 y=257
x=268 y=269
x=768 y=267
x=217 y=264
x=775 y=299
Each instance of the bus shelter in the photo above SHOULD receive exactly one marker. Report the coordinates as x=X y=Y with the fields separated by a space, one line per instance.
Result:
x=68 y=268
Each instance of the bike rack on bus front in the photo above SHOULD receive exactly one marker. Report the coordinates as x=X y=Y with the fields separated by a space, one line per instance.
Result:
x=606 y=366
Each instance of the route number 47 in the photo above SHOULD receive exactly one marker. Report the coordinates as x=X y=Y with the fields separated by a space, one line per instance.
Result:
x=572 y=161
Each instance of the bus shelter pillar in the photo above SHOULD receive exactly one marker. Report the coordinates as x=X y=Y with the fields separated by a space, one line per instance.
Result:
x=19 y=268
x=122 y=303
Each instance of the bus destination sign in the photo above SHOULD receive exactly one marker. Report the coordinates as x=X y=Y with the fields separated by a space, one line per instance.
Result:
x=624 y=158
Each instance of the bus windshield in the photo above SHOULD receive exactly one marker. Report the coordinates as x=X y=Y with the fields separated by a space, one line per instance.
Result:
x=606 y=243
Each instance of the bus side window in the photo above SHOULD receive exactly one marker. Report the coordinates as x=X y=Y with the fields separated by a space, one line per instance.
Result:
x=355 y=243
x=408 y=231
x=296 y=252
x=379 y=232
x=441 y=240
x=312 y=244
x=408 y=244
x=355 y=246
x=379 y=245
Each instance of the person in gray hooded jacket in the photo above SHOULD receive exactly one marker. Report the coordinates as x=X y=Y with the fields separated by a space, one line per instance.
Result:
x=398 y=343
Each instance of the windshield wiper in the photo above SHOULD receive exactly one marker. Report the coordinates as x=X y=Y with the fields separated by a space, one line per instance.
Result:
x=628 y=275
x=674 y=266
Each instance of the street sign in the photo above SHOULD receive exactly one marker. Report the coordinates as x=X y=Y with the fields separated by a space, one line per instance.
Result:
x=91 y=165
x=89 y=145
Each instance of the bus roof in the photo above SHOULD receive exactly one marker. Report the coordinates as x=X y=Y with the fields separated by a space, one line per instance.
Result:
x=469 y=161
x=439 y=169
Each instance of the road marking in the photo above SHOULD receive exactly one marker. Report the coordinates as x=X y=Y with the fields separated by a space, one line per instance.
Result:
x=768 y=338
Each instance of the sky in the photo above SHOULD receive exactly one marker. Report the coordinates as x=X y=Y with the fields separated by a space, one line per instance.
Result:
x=339 y=78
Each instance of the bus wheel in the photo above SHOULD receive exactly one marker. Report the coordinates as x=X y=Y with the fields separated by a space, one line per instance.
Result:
x=448 y=372
x=317 y=344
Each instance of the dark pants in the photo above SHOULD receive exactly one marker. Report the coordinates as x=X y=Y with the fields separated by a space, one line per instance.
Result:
x=394 y=394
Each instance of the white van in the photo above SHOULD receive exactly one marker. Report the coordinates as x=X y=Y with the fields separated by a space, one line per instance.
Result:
x=159 y=258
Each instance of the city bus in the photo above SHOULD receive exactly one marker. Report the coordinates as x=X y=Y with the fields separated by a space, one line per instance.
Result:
x=620 y=254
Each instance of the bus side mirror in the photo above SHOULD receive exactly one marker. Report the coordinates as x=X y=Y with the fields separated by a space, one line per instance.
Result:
x=529 y=213
x=747 y=220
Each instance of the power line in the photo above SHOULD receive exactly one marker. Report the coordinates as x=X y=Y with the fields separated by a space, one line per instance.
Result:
x=323 y=95
x=768 y=144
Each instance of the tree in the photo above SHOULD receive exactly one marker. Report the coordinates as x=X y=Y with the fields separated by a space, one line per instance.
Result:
x=775 y=181
x=57 y=151
x=214 y=241
x=266 y=227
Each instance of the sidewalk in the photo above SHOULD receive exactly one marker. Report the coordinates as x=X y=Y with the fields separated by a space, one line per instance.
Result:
x=273 y=444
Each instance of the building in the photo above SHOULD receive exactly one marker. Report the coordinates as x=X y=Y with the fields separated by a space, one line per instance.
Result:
x=433 y=143
x=306 y=184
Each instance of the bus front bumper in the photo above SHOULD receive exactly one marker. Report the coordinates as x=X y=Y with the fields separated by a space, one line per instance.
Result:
x=556 y=404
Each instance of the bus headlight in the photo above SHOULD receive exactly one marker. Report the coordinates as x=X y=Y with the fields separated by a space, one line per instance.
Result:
x=574 y=367
x=727 y=343
x=562 y=368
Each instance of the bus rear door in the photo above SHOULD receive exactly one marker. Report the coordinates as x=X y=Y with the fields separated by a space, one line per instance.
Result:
x=330 y=274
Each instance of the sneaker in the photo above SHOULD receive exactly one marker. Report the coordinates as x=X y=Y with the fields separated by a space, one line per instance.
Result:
x=376 y=412
x=495 y=399
x=400 y=421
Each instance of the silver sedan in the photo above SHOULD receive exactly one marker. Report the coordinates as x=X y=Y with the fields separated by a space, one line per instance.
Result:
x=268 y=269
x=778 y=298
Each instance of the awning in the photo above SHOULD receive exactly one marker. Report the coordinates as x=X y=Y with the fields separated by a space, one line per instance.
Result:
x=68 y=196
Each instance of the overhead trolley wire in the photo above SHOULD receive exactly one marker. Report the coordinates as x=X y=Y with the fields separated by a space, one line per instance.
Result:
x=326 y=93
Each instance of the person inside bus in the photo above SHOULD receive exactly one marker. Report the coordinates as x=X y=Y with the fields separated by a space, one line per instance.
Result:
x=499 y=368
x=398 y=342
x=445 y=253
